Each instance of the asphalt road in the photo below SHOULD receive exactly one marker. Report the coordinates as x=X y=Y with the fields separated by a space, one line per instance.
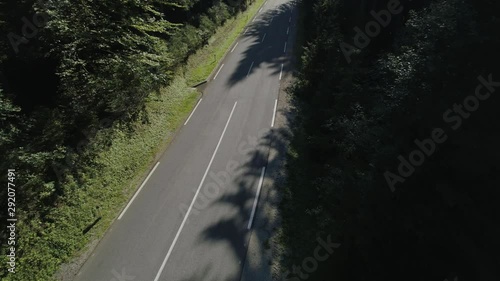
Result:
x=192 y=217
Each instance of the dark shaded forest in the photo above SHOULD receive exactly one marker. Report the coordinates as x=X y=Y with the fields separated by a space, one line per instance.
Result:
x=68 y=70
x=395 y=152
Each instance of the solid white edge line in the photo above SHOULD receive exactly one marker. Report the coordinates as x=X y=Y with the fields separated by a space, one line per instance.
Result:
x=274 y=112
x=260 y=11
x=256 y=198
x=254 y=19
x=284 y=49
x=139 y=190
x=192 y=112
x=281 y=73
x=263 y=38
x=245 y=31
x=194 y=198
x=251 y=66
x=218 y=71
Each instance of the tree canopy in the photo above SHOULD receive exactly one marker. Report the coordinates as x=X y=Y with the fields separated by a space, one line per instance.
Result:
x=360 y=119
x=71 y=69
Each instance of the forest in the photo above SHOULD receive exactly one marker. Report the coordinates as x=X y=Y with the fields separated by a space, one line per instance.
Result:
x=73 y=76
x=394 y=153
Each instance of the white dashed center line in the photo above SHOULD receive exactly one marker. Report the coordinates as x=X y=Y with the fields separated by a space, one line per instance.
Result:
x=274 y=112
x=194 y=198
x=250 y=69
x=256 y=197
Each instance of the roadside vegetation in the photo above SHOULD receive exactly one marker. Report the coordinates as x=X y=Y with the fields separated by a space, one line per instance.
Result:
x=200 y=66
x=87 y=101
x=435 y=221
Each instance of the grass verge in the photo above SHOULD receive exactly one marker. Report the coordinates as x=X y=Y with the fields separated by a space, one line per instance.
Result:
x=88 y=207
x=292 y=246
x=206 y=59
x=107 y=184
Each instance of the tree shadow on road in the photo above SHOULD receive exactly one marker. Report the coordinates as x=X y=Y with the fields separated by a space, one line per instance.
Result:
x=233 y=231
x=259 y=52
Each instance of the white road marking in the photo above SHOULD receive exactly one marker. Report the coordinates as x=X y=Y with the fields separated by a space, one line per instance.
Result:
x=264 y=3
x=263 y=38
x=235 y=46
x=194 y=198
x=192 y=112
x=254 y=19
x=250 y=69
x=218 y=71
x=284 y=49
x=260 y=10
x=245 y=31
x=288 y=31
x=139 y=190
x=256 y=198
x=274 y=112
x=281 y=73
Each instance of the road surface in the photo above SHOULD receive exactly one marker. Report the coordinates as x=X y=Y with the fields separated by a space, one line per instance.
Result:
x=191 y=219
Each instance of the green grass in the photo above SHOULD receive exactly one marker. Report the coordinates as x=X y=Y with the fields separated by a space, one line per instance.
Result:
x=107 y=185
x=130 y=157
x=203 y=63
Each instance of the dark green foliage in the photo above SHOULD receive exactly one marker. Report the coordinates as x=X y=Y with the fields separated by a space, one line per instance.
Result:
x=70 y=69
x=356 y=119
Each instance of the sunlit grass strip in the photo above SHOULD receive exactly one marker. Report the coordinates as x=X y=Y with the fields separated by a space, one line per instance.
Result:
x=105 y=187
x=204 y=61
